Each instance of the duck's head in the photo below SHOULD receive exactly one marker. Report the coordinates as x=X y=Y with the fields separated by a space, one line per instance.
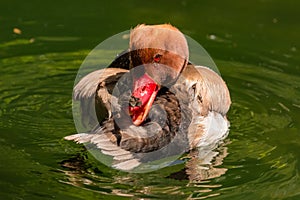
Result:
x=158 y=54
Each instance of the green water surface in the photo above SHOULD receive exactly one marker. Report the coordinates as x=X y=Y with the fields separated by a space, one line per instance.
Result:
x=255 y=45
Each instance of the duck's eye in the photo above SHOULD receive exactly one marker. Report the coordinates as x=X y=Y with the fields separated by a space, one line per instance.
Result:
x=157 y=58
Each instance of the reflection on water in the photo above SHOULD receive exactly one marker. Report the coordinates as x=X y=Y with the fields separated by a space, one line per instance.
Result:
x=205 y=164
x=194 y=177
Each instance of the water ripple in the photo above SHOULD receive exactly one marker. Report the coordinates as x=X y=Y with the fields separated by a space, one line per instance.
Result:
x=260 y=157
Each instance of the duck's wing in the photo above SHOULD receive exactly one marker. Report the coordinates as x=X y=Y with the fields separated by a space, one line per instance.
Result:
x=163 y=137
x=96 y=88
x=87 y=86
x=104 y=139
x=209 y=100
x=91 y=89
x=217 y=96
x=206 y=88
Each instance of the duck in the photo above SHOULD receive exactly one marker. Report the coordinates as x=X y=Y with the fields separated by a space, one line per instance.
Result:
x=151 y=102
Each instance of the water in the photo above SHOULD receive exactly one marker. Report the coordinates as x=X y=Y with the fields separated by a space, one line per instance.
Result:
x=255 y=46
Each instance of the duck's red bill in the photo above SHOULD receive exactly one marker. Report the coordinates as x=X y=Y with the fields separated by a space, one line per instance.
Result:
x=144 y=92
